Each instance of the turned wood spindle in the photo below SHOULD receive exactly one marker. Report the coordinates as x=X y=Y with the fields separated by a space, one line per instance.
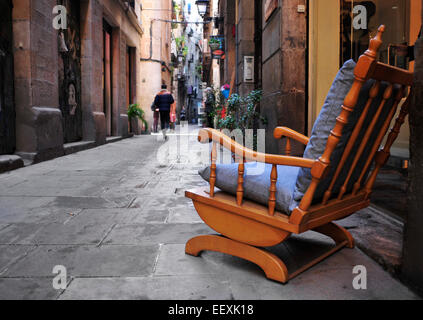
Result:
x=272 y=190
x=213 y=169
x=240 y=190
x=288 y=147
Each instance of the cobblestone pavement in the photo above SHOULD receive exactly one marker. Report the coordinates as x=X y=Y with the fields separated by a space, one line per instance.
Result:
x=116 y=218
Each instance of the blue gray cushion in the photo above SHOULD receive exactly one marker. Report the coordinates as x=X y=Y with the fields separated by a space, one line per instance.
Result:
x=256 y=187
x=326 y=122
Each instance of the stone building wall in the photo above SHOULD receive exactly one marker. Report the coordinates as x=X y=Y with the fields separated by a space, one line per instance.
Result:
x=39 y=133
x=244 y=43
x=278 y=43
x=284 y=72
x=39 y=119
x=155 y=51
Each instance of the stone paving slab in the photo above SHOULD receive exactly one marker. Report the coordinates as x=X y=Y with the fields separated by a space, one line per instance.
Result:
x=150 y=288
x=23 y=208
x=184 y=214
x=173 y=261
x=87 y=261
x=137 y=234
x=79 y=230
x=130 y=215
x=9 y=255
x=27 y=289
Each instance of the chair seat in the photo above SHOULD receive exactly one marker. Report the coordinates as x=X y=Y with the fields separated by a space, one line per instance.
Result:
x=257 y=183
x=249 y=209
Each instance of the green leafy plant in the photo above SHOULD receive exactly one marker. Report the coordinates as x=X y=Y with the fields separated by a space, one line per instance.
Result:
x=242 y=113
x=135 y=112
x=185 y=51
x=180 y=42
x=199 y=69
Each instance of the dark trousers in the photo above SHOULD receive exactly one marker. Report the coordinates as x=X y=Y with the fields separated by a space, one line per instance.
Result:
x=156 y=122
x=165 y=119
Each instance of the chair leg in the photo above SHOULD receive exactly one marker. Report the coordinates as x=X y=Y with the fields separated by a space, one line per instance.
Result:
x=337 y=233
x=272 y=266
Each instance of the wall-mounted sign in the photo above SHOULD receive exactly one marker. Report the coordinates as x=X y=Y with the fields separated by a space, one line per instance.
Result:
x=218 y=47
x=269 y=7
x=249 y=69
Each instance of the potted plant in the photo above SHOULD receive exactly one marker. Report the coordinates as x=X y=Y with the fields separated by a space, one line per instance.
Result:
x=199 y=69
x=241 y=113
x=135 y=113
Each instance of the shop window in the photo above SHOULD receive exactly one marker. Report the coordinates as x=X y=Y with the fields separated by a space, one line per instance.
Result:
x=360 y=21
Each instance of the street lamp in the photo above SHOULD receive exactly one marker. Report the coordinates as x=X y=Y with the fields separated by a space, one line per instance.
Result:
x=202 y=6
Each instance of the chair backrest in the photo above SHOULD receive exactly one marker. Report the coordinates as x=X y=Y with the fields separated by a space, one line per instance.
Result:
x=353 y=172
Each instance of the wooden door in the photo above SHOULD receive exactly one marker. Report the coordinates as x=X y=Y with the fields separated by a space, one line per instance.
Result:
x=70 y=74
x=7 y=108
x=107 y=77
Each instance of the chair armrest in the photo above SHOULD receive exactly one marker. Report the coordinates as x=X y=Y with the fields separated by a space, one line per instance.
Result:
x=281 y=132
x=209 y=135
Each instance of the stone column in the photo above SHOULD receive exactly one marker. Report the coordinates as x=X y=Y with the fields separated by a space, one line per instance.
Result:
x=93 y=117
x=39 y=132
x=120 y=76
x=412 y=268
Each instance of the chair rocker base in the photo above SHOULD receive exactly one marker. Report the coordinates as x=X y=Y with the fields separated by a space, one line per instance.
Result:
x=273 y=267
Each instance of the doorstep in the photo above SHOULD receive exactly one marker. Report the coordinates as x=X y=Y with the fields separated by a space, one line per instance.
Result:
x=10 y=162
x=114 y=139
x=75 y=147
x=378 y=235
x=24 y=159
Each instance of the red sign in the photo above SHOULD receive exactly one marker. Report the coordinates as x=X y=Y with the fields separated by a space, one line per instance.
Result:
x=218 y=52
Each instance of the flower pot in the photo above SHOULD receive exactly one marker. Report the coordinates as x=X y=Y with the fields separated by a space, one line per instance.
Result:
x=135 y=127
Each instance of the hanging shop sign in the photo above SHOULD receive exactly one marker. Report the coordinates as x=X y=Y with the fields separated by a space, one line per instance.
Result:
x=217 y=46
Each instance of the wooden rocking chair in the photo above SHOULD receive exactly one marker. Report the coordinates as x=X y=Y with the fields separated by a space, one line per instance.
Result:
x=247 y=227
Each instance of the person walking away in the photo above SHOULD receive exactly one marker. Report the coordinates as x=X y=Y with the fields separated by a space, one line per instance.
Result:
x=164 y=101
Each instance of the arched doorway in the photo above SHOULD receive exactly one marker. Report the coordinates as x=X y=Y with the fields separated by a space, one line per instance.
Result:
x=70 y=73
